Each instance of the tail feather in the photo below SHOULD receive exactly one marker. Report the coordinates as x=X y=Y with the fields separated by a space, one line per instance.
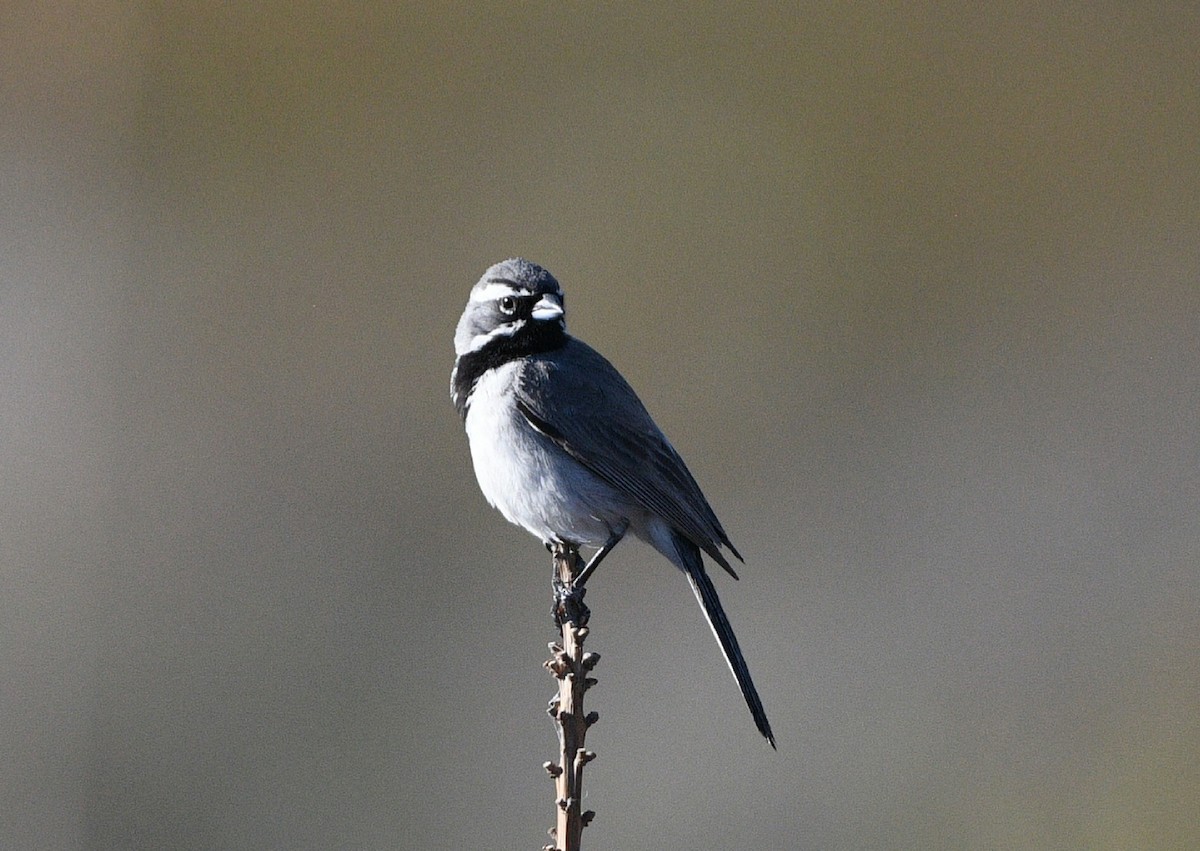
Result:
x=706 y=594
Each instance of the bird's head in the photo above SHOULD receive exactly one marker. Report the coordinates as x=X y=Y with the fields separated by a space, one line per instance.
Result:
x=517 y=300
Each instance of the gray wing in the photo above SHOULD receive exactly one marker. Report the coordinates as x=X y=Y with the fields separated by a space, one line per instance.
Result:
x=579 y=400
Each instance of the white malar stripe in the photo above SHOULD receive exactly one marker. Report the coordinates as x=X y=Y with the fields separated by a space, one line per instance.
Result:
x=495 y=290
x=481 y=340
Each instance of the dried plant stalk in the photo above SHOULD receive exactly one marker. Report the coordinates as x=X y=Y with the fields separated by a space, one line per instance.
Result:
x=571 y=666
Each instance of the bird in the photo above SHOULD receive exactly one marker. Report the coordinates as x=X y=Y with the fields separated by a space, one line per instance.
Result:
x=563 y=447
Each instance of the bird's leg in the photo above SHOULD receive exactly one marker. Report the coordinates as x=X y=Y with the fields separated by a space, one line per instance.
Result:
x=552 y=547
x=613 y=539
x=558 y=551
x=568 y=597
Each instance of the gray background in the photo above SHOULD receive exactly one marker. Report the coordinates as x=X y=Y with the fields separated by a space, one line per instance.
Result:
x=912 y=287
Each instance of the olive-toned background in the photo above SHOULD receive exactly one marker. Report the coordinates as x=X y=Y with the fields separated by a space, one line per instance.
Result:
x=912 y=287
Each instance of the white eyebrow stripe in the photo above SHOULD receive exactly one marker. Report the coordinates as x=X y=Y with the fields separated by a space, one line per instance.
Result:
x=495 y=290
x=481 y=340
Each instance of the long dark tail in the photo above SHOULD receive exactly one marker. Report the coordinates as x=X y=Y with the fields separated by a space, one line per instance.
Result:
x=706 y=594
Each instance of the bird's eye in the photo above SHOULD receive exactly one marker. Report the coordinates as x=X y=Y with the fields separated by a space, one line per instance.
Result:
x=508 y=305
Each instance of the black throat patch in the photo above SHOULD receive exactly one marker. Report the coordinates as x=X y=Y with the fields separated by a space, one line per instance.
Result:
x=533 y=338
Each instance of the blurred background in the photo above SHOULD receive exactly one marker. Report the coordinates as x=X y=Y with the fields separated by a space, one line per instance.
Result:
x=913 y=288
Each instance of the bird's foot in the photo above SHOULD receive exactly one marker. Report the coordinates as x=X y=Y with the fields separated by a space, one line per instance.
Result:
x=568 y=594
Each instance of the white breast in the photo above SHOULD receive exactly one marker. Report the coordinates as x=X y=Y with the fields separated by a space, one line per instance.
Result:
x=529 y=479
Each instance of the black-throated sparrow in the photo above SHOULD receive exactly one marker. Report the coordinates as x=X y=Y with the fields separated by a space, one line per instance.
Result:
x=564 y=448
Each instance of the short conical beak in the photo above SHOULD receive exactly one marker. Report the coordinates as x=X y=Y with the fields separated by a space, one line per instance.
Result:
x=548 y=308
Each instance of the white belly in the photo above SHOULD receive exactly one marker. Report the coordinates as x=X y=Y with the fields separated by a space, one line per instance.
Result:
x=529 y=479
